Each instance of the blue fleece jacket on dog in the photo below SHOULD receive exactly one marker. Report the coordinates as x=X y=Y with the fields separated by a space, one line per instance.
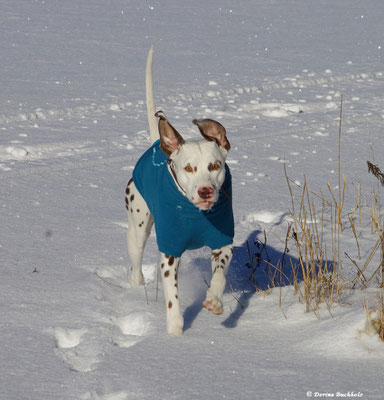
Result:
x=179 y=224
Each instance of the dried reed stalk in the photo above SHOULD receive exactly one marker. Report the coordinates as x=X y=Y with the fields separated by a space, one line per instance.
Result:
x=355 y=234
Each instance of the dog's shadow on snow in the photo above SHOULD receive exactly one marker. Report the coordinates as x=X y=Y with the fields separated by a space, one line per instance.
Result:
x=255 y=266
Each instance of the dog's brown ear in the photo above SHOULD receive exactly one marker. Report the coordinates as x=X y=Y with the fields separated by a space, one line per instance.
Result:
x=213 y=130
x=170 y=139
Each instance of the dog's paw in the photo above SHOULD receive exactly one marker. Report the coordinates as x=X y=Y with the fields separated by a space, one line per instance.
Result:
x=175 y=326
x=214 y=305
x=137 y=279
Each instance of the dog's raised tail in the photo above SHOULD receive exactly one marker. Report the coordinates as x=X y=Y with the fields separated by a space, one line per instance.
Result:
x=153 y=130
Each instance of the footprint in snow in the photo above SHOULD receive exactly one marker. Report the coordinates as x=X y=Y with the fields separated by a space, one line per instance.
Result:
x=13 y=153
x=81 y=354
x=68 y=338
x=107 y=396
x=114 y=275
x=132 y=328
x=83 y=349
x=118 y=276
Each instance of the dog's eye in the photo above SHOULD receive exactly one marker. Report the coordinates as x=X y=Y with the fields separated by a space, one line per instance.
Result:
x=214 y=167
x=188 y=168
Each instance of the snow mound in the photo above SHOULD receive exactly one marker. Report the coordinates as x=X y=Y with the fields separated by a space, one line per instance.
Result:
x=278 y=113
x=136 y=324
x=266 y=217
x=68 y=338
x=344 y=337
x=15 y=152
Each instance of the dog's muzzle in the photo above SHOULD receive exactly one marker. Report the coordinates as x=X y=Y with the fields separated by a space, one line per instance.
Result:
x=206 y=192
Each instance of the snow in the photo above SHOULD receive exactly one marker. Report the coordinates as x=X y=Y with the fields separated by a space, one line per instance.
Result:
x=73 y=124
x=17 y=152
x=68 y=338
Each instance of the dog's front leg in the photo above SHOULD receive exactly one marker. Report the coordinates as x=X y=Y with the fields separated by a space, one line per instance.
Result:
x=221 y=258
x=169 y=267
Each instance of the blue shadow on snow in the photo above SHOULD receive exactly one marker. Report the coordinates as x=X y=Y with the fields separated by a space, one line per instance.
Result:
x=255 y=266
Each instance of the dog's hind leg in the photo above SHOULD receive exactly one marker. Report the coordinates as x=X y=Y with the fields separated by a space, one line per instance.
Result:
x=140 y=222
x=221 y=259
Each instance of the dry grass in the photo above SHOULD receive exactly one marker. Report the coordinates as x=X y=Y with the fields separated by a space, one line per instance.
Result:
x=316 y=279
x=377 y=227
x=316 y=228
x=374 y=313
x=376 y=172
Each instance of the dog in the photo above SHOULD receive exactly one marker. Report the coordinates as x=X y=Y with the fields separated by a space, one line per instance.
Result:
x=184 y=188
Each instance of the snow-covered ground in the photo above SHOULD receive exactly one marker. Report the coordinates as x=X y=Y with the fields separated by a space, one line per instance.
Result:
x=73 y=124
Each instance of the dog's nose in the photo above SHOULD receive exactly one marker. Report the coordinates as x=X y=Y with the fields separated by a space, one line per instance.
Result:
x=205 y=192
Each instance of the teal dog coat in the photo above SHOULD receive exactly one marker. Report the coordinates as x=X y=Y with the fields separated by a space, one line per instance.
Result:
x=179 y=224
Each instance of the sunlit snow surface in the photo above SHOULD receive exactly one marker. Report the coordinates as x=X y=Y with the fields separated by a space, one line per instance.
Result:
x=73 y=124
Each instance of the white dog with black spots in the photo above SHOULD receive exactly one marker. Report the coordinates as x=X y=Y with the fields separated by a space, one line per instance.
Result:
x=184 y=187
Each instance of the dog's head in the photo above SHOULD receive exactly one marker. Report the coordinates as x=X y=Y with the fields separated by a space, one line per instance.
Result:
x=198 y=167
